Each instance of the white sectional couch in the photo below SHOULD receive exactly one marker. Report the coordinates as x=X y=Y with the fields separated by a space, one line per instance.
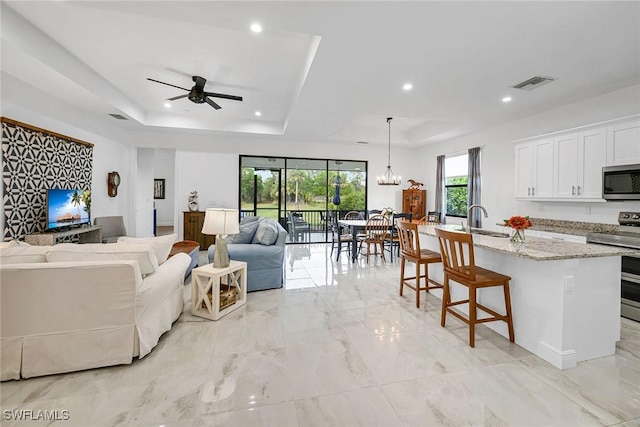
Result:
x=72 y=307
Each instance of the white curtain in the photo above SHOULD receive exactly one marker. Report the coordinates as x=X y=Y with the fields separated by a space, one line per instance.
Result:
x=474 y=186
x=440 y=183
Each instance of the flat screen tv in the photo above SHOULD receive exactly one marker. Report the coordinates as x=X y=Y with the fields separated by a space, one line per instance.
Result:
x=66 y=208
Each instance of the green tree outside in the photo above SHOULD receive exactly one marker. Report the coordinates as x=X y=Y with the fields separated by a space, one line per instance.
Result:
x=457 y=196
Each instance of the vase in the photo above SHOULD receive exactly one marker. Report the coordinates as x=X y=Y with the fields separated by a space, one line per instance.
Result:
x=517 y=236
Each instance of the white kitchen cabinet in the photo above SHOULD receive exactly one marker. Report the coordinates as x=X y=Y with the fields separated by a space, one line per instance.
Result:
x=565 y=168
x=592 y=154
x=578 y=161
x=534 y=169
x=524 y=170
x=623 y=147
x=567 y=165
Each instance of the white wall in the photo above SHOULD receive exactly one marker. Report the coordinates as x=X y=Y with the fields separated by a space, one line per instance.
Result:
x=164 y=167
x=498 y=159
x=143 y=193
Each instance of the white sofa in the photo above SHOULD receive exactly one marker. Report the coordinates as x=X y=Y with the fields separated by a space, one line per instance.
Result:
x=72 y=307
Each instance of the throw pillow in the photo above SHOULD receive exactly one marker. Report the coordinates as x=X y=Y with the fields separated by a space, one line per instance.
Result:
x=247 y=230
x=266 y=234
x=248 y=219
x=161 y=245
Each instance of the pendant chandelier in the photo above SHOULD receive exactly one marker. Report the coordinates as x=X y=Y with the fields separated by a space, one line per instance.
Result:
x=389 y=177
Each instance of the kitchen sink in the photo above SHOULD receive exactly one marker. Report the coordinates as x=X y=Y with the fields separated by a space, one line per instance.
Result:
x=488 y=232
x=485 y=232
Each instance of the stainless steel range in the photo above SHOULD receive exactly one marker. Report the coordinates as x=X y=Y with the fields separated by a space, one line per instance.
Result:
x=628 y=236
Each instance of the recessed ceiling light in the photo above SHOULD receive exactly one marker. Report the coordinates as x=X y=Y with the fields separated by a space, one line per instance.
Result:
x=256 y=28
x=407 y=86
x=506 y=99
x=167 y=105
x=257 y=113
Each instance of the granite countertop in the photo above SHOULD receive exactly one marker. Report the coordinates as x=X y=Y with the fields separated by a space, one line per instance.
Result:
x=536 y=248
x=576 y=228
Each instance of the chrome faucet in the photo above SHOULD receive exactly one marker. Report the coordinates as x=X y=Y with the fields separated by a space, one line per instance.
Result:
x=469 y=209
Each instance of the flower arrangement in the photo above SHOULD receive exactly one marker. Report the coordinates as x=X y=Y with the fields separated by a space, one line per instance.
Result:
x=388 y=211
x=519 y=224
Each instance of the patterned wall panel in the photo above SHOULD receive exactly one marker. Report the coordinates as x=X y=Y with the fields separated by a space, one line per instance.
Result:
x=34 y=160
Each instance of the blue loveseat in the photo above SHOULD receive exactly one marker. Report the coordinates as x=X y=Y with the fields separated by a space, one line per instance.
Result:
x=261 y=244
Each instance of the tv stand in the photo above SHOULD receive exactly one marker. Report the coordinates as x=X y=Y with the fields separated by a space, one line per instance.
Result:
x=84 y=234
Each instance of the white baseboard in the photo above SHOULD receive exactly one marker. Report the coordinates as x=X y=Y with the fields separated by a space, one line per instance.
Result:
x=560 y=359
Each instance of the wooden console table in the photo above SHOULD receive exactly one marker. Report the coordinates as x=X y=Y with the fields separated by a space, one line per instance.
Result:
x=85 y=234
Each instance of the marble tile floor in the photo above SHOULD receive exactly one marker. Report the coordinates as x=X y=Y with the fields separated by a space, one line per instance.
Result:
x=338 y=347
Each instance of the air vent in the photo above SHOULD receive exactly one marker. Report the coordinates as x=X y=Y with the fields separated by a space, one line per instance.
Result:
x=533 y=82
x=118 y=116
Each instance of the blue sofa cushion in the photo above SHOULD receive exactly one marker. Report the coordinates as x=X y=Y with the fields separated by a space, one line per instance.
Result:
x=247 y=231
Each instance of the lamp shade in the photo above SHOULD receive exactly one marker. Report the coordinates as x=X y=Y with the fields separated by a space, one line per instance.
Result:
x=219 y=221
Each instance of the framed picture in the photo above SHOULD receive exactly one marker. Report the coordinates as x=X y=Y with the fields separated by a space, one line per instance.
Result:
x=158 y=188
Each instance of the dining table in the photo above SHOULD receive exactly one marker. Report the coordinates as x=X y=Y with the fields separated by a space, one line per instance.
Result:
x=355 y=227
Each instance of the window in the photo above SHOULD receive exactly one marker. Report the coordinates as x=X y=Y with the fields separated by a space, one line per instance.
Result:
x=456 y=191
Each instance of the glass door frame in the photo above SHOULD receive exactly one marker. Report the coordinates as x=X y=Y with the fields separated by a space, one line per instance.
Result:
x=282 y=183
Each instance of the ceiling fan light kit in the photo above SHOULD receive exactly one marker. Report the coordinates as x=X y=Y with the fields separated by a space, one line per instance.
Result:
x=197 y=94
x=389 y=178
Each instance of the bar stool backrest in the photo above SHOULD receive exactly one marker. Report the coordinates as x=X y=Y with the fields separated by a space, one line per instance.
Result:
x=456 y=250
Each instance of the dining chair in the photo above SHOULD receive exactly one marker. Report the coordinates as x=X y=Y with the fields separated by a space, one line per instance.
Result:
x=372 y=212
x=353 y=215
x=298 y=227
x=462 y=269
x=394 y=238
x=434 y=217
x=411 y=252
x=375 y=234
x=340 y=241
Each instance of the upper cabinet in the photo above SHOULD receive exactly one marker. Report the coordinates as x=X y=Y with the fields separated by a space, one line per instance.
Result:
x=568 y=165
x=624 y=143
x=534 y=162
x=577 y=164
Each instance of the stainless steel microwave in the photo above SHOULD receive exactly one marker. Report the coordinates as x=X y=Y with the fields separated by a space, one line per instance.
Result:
x=621 y=182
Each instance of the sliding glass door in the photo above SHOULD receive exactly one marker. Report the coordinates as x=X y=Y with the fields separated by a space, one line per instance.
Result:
x=306 y=191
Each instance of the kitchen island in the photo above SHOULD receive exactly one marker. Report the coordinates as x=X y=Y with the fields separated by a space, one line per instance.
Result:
x=565 y=296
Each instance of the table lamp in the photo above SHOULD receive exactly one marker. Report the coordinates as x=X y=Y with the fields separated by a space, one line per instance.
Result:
x=220 y=222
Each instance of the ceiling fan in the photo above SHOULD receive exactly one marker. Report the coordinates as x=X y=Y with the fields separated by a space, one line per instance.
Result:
x=197 y=93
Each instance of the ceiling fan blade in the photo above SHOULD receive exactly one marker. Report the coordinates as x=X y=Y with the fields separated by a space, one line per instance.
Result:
x=168 y=84
x=200 y=82
x=223 y=95
x=178 y=97
x=213 y=104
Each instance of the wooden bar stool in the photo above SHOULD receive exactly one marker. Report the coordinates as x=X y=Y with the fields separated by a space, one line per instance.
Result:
x=453 y=247
x=410 y=251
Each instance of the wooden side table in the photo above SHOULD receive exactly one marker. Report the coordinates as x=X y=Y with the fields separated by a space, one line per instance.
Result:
x=216 y=292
